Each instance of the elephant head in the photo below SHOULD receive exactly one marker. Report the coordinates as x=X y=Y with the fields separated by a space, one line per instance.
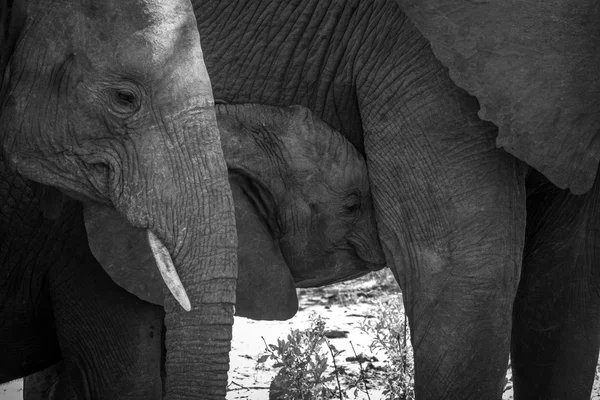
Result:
x=110 y=102
x=311 y=204
x=304 y=214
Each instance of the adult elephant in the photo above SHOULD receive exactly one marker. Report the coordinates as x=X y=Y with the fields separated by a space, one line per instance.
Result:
x=451 y=205
x=110 y=102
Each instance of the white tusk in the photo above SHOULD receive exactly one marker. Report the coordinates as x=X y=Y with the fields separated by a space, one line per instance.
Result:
x=168 y=272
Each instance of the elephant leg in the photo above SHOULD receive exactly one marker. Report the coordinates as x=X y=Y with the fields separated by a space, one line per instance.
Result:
x=109 y=339
x=450 y=207
x=556 y=315
x=454 y=225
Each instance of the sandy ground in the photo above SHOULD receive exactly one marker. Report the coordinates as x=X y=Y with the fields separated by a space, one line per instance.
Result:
x=344 y=307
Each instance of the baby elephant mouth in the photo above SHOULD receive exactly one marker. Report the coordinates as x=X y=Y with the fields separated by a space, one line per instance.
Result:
x=318 y=282
x=367 y=252
x=348 y=265
x=368 y=263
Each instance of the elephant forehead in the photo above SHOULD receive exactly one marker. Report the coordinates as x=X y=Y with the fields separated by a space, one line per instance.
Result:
x=113 y=33
x=350 y=172
x=333 y=183
x=139 y=33
x=343 y=169
x=328 y=158
x=153 y=43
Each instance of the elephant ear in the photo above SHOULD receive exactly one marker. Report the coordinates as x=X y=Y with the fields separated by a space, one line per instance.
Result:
x=534 y=66
x=124 y=252
x=265 y=288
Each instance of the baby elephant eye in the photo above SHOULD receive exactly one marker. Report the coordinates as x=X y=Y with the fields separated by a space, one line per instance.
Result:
x=353 y=203
x=353 y=208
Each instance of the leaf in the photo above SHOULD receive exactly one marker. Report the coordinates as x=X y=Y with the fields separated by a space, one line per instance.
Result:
x=263 y=358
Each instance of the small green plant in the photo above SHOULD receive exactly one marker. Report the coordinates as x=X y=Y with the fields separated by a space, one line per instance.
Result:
x=390 y=334
x=303 y=361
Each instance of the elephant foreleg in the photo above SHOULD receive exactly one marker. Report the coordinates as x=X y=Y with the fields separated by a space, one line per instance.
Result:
x=450 y=207
x=556 y=316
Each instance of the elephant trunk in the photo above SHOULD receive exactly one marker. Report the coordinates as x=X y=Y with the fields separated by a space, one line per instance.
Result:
x=181 y=194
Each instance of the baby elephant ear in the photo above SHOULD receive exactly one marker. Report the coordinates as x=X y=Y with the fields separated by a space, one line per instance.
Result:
x=124 y=252
x=534 y=67
x=265 y=287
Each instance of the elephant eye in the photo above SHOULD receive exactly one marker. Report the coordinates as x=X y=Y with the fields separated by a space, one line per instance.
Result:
x=353 y=208
x=353 y=203
x=126 y=98
x=125 y=101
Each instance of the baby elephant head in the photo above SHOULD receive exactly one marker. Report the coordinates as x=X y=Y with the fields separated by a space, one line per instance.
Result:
x=311 y=188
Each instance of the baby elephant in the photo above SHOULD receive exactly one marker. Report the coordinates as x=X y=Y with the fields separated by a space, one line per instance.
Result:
x=303 y=206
